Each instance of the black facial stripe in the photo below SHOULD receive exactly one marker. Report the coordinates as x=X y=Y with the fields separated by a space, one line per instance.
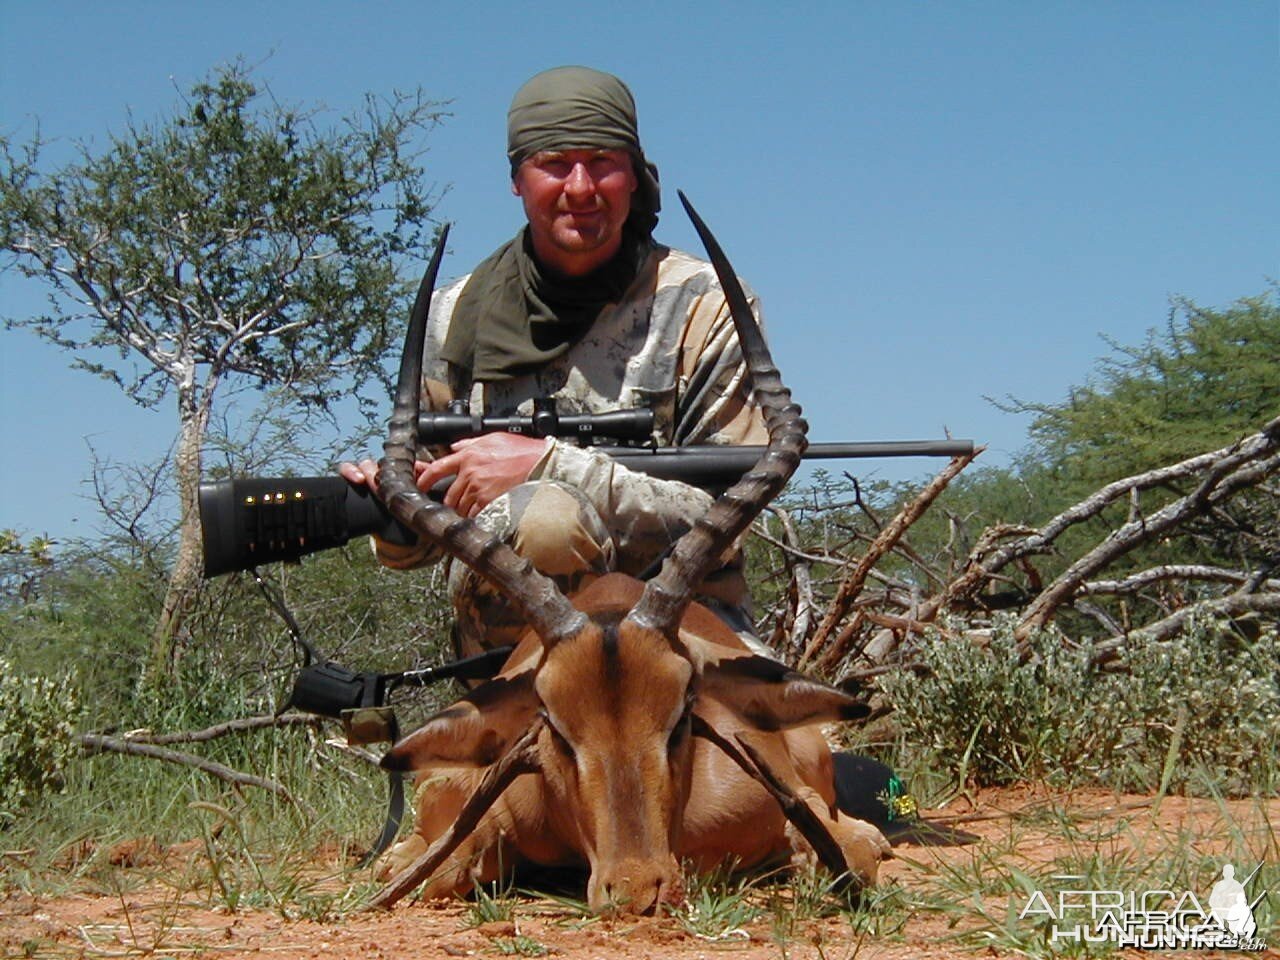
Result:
x=610 y=632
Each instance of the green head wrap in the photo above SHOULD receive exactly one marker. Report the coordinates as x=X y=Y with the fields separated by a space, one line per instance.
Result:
x=569 y=108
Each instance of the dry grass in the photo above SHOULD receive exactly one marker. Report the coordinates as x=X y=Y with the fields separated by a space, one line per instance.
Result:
x=932 y=901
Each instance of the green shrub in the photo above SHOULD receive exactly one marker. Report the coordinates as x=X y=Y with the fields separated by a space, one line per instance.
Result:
x=1202 y=708
x=38 y=718
x=1227 y=688
x=92 y=617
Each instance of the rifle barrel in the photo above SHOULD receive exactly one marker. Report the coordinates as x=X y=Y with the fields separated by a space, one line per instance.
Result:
x=260 y=520
x=720 y=466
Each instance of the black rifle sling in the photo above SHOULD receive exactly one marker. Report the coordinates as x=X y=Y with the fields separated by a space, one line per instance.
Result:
x=480 y=666
x=395 y=786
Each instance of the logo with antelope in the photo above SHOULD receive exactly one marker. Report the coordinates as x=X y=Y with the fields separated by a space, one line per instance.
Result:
x=631 y=729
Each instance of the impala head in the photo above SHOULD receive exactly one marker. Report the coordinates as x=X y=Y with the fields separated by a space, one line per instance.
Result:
x=612 y=692
x=615 y=759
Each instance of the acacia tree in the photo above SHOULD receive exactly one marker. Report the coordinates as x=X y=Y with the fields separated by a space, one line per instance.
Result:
x=1209 y=377
x=236 y=240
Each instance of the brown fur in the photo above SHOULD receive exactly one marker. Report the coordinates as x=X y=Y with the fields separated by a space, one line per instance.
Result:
x=603 y=705
x=624 y=789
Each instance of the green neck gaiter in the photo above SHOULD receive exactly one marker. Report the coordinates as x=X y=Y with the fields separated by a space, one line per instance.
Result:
x=513 y=316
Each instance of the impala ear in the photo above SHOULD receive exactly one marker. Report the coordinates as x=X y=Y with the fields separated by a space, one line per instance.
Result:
x=477 y=729
x=770 y=696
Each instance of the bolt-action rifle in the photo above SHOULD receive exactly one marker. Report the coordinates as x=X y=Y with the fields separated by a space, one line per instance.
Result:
x=252 y=521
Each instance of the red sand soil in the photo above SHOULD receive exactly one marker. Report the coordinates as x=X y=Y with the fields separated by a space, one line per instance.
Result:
x=152 y=921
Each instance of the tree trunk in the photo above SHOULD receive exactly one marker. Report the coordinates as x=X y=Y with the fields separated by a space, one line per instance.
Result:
x=184 y=580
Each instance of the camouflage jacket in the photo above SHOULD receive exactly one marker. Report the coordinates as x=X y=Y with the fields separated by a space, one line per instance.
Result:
x=668 y=345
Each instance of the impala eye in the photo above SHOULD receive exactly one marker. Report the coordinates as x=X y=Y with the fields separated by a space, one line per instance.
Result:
x=679 y=733
x=681 y=729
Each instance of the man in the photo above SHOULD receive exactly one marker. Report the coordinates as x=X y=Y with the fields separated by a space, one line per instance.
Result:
x=585 y=307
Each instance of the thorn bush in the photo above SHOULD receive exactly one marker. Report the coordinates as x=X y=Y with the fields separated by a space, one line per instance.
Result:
x=1203 y=706
x=38 y=718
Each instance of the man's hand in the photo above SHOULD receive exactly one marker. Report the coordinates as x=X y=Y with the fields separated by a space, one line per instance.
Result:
x=365 y=473
x=485 y=467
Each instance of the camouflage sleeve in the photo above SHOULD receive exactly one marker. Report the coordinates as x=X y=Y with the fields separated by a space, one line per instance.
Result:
x=713 y=405
x=714 y=392
x=644 y=515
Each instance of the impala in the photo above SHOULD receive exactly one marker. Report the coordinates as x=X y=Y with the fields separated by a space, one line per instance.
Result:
x=631 y=729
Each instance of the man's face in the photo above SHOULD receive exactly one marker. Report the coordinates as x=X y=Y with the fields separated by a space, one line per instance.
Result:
x=576 y=202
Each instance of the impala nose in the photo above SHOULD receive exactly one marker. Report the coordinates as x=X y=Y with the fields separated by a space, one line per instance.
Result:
x=635 y=888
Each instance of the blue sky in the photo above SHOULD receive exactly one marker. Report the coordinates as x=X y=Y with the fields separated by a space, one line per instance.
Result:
x=937 y=202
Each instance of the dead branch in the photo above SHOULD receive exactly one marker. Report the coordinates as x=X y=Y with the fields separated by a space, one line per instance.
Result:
x=884 y=541
x=1171 y=571
x=850 y=631
x=792 y=550
x=93 y=743
x=222 y=729
x=1222 y=480
x=902 y=547
x=958 y=541
x=777 y=615
x=1260 y=579
x=861 y=503
x=366 y=757
x=521 y=758
x=881 y=645
x=987 y=559
x=1096 y=612
x=801 y=583
x=1233 y=605
x=901 y=624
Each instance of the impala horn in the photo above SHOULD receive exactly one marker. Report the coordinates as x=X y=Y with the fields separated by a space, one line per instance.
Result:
x=544 y=608
x=698 y=552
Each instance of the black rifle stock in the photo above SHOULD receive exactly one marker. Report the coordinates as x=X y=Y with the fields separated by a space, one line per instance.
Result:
x=254 y=521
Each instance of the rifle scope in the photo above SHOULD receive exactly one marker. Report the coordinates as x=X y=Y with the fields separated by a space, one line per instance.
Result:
x=625 y=426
